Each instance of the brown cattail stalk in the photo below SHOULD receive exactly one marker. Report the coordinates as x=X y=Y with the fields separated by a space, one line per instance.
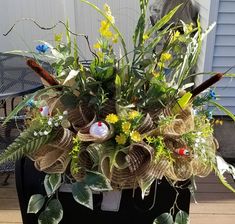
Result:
x=45 y=75
x=209 y=82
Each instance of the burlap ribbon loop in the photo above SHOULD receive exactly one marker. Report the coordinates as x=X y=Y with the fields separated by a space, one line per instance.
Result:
x=54 y=157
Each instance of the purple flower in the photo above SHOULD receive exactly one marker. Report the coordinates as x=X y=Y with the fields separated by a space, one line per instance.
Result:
x=212 y=94
x=42 y=48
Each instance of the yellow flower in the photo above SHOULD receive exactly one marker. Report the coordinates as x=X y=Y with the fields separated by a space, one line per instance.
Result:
x=126 y=127
x=165 y=57
x=104 y=29
x=108 y=13
x=135 y=136
x=176 y=35
x=97 y=45
x=115 y=38
x=58 y=37
x=121 y=139
x=111 y=118
x=133 y=114
x=156 y=74
x=145 y=37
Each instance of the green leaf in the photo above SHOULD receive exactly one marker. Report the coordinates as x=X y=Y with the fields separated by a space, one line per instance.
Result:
x=165 y=218
x=97 y=182
x=36 y=202
x=182 y=218
x=158 y=25
x=223 y=109
x=51 y=183
x=82 y=194
x=26 y=143
x=53 y=213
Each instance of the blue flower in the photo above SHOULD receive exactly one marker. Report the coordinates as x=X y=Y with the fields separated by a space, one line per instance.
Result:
x=30 y=103
x=210 y=115
x=42 y=48
x=212 y=94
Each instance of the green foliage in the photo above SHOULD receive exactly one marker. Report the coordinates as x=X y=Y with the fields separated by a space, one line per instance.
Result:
x=82 y=194
x=53 y=213
x=166 y=218
x=36 y=203
x=52 y=182
x=97 y=182
x=25 y=144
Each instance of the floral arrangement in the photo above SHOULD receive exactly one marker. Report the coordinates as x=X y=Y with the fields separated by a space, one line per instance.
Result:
x=119 y=122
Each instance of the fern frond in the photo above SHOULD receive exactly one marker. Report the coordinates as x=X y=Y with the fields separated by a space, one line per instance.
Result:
x=26 y=143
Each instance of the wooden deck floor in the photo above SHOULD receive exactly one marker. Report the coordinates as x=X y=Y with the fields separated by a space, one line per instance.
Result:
x=215 y=205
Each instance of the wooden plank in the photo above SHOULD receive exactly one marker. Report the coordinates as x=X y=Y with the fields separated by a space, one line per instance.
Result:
x=213 y=208
x=8 y=193
x=9 y=204
x=211 y=218
x=221 y=197
x=10 y=216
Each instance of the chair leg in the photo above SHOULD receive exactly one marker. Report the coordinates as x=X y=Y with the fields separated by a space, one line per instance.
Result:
x=5 y=182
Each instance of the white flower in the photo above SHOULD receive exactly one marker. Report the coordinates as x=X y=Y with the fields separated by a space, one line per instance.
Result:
x=40 y=133
x=46 y=132
x=203 y=140
x=196 y=145
x=197 y=140
x=35 y=133
x=56 y=124
x=60 y=117
x=49 y=123
x=65 y=112
x=199 y=133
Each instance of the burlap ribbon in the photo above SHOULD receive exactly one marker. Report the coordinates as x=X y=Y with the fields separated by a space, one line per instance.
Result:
x=54 y=157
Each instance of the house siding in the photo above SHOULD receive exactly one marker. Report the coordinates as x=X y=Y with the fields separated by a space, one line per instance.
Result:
x=218 y=51
x=25 y=34
x=224 y=52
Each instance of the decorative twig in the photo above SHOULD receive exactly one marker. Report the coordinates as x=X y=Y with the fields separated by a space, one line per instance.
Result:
x=53 y=27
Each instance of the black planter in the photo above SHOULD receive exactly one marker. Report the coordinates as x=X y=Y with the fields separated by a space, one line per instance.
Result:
x=132 y=209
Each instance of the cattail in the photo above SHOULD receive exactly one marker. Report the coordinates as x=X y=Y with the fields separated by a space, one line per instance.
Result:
x=45 y=75
x=209 y=82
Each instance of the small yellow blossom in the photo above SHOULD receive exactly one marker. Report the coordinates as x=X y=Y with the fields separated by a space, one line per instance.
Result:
x=156 y=74
x=165 y=57
x=121 y=139
x=176 y=35
x=126 y=127
x=58 y=37
x=135 y=136
x=111 y=118
x=104 y=29
x=190 y=28
x=145 y=37
x=160 y=65
x=133 y=114
x=108 y=13
x=97 y=45
x=115 y=38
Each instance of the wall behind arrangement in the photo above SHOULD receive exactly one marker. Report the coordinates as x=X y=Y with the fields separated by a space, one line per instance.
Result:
x=25 y=33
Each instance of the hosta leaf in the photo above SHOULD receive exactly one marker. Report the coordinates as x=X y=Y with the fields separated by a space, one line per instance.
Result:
x=97 y=182
x=26 y=143
x=164 y=218
x=182 y=218
x=52 y=183
x=82 y=194
x=53 y=213
x=36 y=202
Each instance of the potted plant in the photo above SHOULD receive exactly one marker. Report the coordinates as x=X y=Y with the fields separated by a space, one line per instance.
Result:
x=118 y=125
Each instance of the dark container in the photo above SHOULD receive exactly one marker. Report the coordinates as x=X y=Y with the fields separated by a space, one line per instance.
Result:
x=133 y=209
